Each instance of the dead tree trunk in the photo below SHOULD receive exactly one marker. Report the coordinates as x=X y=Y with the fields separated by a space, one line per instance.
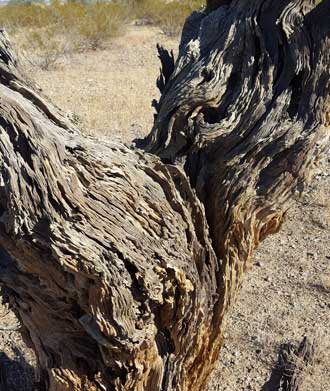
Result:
x=122 y=264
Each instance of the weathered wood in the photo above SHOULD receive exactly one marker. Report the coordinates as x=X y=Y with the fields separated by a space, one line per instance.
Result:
x=122 y=264
x=292 y=364
x=111 y=268
x=246 y=112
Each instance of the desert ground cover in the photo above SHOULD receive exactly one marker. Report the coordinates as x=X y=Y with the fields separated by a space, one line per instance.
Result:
x=49 y=31
x=286 y=294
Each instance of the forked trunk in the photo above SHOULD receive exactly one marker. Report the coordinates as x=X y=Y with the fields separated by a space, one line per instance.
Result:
x=121 y=263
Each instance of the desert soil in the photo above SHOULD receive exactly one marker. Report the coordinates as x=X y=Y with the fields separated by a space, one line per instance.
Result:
x=286 y=294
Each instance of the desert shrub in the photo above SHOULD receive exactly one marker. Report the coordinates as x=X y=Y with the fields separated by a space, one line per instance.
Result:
x=168 y=15
x=45 y=47
x=50 y=32
x=35 y=30
x=47 y=33
x=99 y=22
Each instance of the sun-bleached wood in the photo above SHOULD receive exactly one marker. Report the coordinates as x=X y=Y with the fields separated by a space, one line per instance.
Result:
x=122 y=263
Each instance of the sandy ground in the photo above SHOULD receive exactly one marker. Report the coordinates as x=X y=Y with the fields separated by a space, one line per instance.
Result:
x=110 y=91
x=286 y=294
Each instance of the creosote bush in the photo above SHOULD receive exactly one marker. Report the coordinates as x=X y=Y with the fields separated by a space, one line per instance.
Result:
x=50 y=32
x=44 y=46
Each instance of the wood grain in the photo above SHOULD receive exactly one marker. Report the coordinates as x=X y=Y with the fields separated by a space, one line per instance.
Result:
x=122 y=263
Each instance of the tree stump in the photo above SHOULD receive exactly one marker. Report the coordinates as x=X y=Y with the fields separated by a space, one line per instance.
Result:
x=122 y=263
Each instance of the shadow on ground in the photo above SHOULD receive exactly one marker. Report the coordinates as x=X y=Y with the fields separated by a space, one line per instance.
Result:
x=16 y=374
x=274 y=383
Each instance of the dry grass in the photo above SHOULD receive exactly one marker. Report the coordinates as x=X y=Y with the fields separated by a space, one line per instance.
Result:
x=168 y=15
x=53 y=32
x=50 y=33
x=110 y=91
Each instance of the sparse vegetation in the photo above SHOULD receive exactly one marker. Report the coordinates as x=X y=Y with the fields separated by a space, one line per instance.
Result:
x=48 y=33
x=51 y=32
x=168 y=15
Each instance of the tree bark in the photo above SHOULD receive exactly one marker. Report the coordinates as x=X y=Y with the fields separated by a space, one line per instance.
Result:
x=121 y=263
